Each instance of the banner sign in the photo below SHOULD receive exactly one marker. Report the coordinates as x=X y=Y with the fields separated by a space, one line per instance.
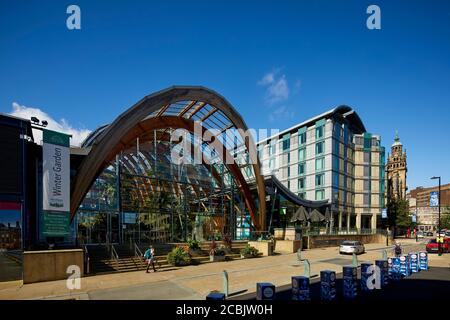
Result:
x=55 y=183
x=56 y=171
x=384 y=213
x=434 y=199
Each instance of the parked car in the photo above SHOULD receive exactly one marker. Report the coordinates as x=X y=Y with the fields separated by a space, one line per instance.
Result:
x=432 y=246
x=350 y=247
x=420 y=234
x=429 y=234
x=447 y=234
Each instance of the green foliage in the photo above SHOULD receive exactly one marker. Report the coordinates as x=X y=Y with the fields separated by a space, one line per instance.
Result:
x=445 y=218
x=179 y=257
x=193 y=244
x=398 y=214
x=249 y=252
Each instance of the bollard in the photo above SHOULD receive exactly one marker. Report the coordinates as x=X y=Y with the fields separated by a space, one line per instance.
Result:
x=307 y=269
x=384 y=255
x=355 y=260
x=383 y=265
x=365 y=275
x=350 y=277
x=300 y=288
x=299 y=254
x=414 y=262
x=328 y=285
x=395 y=274
x=225 y=282
x=215 y=296
x=265 y=291
x=423 y=260
x=405 y=271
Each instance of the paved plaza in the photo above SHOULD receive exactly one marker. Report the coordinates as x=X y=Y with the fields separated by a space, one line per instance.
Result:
x=195 y=282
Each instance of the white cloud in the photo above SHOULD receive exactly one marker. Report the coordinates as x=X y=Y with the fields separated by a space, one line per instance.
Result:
x=281 y=113
x=78 y=135
x=277 y=87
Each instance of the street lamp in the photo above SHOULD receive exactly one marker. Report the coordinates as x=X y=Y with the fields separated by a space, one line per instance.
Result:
x=439 y=216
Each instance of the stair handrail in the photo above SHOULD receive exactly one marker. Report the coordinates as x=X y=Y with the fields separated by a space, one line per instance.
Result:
x=137 y=251
x=114 y=255
x=87 y=259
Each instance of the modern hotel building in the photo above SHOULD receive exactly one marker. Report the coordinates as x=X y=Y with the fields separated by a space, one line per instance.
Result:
x=331 y=156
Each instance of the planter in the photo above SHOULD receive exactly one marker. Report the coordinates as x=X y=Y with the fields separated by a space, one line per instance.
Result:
x=265 y=247
x=247 y=256
x=214 y=258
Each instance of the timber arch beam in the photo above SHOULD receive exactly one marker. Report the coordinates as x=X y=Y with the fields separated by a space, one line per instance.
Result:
x=158 y=111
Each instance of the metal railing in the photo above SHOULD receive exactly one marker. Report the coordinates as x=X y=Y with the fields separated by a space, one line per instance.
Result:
x=87 y=260
x=342 y=231
x=112 y=251
x=137 y=251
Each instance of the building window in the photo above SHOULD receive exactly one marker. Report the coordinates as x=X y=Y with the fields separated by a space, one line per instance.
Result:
x=366 y=157
x=289 y=157
x=301 y=184
x=320 y=194
x=272 y=148
x=301 y=168
x=366 y=199
x=289 y=184
x=286 y=142
x=320 y=180
x=288 y=171
x=320 y=147
x=335 y=179
x=319 y=132
x=366 y=171
x=302 y=154
x=302 y=195
x=366 y=185
x=320 y=164
x=272 y=164
x=302 y=138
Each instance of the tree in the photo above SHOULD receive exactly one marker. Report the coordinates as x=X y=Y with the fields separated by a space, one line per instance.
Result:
x=398 y=214
x=445 y=218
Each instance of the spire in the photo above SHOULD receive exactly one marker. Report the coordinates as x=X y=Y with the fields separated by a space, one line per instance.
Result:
x=396 y=140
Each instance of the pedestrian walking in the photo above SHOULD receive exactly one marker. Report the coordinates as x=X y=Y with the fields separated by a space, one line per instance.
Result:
x=149 y=257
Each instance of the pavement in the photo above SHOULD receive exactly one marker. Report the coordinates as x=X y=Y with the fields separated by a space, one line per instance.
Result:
x=195 y=282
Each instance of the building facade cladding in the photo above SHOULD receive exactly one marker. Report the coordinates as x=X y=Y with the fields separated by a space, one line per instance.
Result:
x=419 y=202
x=322 y=159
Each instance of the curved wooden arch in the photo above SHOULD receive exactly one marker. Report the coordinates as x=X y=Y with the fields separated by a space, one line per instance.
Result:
x=130 y=123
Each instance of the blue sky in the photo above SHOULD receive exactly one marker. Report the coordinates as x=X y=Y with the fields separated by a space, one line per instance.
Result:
x=278 y=63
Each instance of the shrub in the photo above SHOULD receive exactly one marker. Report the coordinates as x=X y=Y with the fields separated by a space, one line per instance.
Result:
x=179 y=257
x=249 y=251
x=193 y=244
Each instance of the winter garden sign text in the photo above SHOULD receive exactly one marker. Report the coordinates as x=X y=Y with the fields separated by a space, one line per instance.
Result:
x=55 y=184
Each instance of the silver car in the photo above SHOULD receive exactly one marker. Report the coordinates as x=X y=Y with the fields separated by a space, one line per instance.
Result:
x=350 y=247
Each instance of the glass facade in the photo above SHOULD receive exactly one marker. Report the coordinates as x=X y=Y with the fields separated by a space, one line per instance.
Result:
x=143 y=196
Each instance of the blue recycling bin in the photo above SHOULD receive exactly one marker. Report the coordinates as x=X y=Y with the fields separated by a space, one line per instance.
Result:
x=300 y=288
x=365 y=275
x=414 y=262
x=350 y=282
x=328 y=285
x=423 y=260
x=265 y=291
x=384 y=272
x=215 y=296
x=405 y=271
x=395 y=274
